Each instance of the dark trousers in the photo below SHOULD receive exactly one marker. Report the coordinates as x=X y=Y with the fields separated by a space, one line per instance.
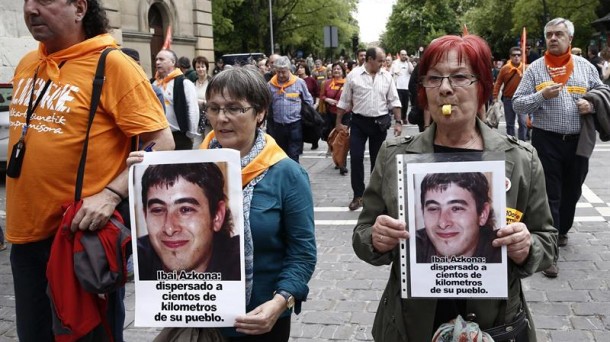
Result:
x=363 y=128
x=510 y=115
x=182 y=141
x=290 y=138
x=33 y=306
x=279 y=333
x=403 y=95
x=564 y=173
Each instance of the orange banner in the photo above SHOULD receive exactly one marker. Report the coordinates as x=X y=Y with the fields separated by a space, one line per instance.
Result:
x=524 y=47
x=167 y=44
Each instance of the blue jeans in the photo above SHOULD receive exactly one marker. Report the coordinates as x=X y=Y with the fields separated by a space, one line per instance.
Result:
x=33 y=306
x=509 y=115
x=290 y=138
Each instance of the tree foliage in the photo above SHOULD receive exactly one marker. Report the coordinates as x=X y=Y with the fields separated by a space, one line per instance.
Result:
x=499 y=22
x=243 y=25
x=413 y=24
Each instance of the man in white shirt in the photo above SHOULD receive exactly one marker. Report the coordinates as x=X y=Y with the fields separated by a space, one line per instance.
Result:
x=180 y=95
x=368 y=91
x=401 y=70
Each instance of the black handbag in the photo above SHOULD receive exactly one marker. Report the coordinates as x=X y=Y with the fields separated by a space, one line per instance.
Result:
x=311 y=122
x=514 y=331
x=384 y=122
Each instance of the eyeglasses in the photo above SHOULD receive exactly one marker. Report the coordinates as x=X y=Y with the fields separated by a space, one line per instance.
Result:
x=456 y=80
x=230 y=111
x=515 y=55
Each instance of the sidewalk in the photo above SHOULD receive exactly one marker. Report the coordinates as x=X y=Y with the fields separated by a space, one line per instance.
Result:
x=344 y=291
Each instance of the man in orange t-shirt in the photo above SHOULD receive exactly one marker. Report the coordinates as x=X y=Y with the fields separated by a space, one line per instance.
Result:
x=72 y=35
x=510 y=75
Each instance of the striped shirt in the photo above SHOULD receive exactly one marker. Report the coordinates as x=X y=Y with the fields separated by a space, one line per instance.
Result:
x=287 y=105
x=369 y=96
x=559 y=114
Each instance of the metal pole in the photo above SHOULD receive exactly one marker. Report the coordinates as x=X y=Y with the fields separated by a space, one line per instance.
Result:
x=271 y=27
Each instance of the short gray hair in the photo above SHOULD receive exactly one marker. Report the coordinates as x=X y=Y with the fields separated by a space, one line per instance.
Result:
x=245 y=83
x=557 y=21
x=282 y=63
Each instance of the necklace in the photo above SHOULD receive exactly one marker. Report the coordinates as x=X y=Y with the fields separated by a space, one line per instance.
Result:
x=201 y=83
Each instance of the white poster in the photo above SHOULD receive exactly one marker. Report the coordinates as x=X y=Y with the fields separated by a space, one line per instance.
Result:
x=187 y=229
x=453 y=205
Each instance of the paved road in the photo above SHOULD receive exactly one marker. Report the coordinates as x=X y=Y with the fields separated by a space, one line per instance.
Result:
x=345 y=291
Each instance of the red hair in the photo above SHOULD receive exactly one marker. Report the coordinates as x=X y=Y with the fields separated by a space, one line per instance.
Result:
x=470 y=47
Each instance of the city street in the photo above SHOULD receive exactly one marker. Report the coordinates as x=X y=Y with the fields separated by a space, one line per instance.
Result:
x=345 y=291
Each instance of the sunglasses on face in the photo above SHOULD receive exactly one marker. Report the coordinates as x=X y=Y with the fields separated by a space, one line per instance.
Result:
x=515 y=55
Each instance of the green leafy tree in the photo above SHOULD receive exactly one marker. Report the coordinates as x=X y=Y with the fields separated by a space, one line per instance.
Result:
x=243 y=25
x=493 y=21
x=415 y=23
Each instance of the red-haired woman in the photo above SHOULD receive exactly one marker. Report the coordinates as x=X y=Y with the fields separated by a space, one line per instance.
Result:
x=455 y=83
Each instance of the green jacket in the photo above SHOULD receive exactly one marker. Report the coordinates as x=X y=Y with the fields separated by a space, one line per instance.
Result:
x=412 y=319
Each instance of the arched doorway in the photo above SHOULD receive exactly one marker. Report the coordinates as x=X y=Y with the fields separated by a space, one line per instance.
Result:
x=157 y=21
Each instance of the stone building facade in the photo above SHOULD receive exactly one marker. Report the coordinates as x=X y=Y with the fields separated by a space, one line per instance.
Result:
x=138 y=24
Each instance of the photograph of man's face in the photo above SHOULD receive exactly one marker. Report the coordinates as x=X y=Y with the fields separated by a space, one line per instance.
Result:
x=452 y=221
x=457 y=216
x=188 y=221
x=181 y=226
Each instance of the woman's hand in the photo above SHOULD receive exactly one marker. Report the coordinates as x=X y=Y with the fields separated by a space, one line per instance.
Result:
x=262 y=319
x=386 y=233
x=331 y=102
x=517 y=239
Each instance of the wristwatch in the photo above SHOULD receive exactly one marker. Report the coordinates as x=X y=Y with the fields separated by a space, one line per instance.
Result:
x=287 y=296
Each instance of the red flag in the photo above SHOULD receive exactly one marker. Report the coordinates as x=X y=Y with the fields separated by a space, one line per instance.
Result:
x=465 y=30
x=167 y=44
x=524 y=47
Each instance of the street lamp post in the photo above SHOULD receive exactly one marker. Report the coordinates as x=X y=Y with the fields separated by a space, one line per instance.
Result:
x=271 y=27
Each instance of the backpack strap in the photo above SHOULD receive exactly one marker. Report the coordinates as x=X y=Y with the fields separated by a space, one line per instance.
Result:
x=96 y=93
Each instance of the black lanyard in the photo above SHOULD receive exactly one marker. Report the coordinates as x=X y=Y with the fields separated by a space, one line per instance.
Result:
x=32 y=108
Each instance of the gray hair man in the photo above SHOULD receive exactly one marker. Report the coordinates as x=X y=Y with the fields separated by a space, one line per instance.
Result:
x=552 y=90
x=181 y=107
x=289 y=94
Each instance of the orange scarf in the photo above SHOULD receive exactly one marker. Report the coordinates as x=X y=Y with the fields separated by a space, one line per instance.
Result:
x=559 y=67
x=269 y=156
x=335 y=84
x=518 y=68
x=49 y=63
x=162 y=82
x=274 y=82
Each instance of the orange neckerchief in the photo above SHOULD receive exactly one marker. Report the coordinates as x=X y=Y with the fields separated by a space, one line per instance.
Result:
x=292 y=80
x=269 y=156
x=335 y=84
x=162 y=82
x=559 y=67
x=49 y=62
x=518 y=68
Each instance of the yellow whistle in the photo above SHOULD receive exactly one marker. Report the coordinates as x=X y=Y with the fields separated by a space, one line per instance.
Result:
x=447 y=109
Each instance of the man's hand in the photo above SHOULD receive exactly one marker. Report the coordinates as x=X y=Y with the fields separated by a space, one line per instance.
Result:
x=262 y=319
x=386 y=233
x=397 y=129
x=551 y=91
x=584 y=106
x=517 y=239
x=95 y=211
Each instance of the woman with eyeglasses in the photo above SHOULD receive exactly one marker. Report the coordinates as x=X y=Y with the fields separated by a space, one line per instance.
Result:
x=277 y=202
x=278 y=205
x=455 y=82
